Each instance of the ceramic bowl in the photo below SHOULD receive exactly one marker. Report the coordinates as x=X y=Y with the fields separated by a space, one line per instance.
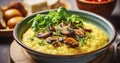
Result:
x=97 y=20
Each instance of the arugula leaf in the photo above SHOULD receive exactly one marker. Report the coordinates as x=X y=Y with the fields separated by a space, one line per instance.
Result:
x=55 y=17
x=37 y=22
x=75 y=18
x=34 y=25
x=41 y=42
x=63 y=13
x=57 y=32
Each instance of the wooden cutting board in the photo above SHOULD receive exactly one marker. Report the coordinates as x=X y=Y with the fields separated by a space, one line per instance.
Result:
x=19 y=55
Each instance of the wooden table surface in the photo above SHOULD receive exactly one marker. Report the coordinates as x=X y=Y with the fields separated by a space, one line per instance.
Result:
x=4 y=49
x=6 y=42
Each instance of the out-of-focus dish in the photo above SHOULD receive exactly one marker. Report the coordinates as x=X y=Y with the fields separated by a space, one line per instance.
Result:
x=34 y=6
x=11 y=14
x=36 y=21
x=101 y=7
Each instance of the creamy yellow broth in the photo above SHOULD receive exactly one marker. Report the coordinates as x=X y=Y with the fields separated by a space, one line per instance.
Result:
x=98 y=40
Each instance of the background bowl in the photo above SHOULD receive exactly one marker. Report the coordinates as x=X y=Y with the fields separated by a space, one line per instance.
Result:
x=6 y=32
x=97 y=20
x=102 y=8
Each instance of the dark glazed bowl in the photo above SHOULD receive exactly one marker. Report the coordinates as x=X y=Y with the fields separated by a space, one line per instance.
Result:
x=97 y=20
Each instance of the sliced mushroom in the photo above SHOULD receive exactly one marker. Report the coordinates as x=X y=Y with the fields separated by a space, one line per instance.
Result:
x=56 y=44
x=60 y=39
x=53 y=39
x=71 y=42
x=51 y=27
x=66 y=31
x=72 y=25
x=88 y=30
x=62 y=24
x=44 y=35
x=50 y=40
x=79 y=32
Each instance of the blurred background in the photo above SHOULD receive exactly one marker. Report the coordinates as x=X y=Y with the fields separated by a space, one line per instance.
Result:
x=22 y=8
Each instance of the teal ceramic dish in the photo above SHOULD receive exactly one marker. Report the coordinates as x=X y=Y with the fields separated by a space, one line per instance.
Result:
x=97 y=20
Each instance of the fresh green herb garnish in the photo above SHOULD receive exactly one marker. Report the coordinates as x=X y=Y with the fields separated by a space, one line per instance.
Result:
x=84 y=40
x=58 y=32
x=54 y=17
x=30 y=38
x=41 y=42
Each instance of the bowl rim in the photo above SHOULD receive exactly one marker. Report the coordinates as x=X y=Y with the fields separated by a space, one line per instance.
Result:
x=6 y=30
x=65 y=56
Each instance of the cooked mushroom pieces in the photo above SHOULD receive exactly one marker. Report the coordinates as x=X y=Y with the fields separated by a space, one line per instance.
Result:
x=60 y=39
x=71 y=42
x=44 y=35
x=79 y=32
x=67 y=30
x=62 y=24
x=54 y=39
x=51 y=28
x=88 y=30
x=50 y=40
x=56 y=44
x=72 y=25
